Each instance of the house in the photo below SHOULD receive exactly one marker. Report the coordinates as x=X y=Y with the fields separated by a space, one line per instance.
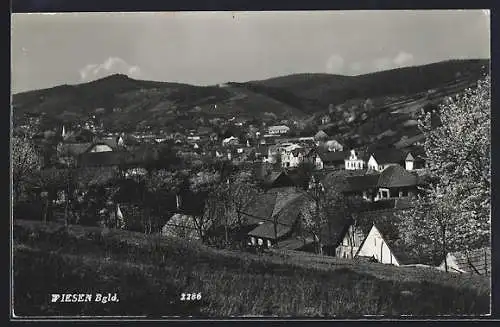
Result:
x=278 y=130
x=321 y=136
x=395 y=181
x=365 y=186
x=325 y=119
x=381 y=159
x=350 y=240
x=476 y=261
x=381 y=248
x=291 y=154
x=335 y=159
x=355 y=160
x=275 y=215
x=392 y=182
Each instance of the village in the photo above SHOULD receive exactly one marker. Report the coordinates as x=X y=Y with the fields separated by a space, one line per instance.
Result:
x=284 y=192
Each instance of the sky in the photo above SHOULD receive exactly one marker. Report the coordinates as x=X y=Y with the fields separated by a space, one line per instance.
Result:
x=207 y=48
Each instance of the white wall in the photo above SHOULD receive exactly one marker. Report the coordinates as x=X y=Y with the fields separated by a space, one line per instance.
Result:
x=319 y=163
x=375 y=246
x=101 y=148
x=372 y=163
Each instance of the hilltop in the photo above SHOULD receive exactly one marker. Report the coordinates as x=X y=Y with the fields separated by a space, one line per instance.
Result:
x=149 y=273
x=362 y=108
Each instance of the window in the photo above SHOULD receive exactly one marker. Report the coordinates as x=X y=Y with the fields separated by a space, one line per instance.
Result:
x=268 y=243
x=260 y=241
x=252 y=239
x=384 y=194
x=404 y=193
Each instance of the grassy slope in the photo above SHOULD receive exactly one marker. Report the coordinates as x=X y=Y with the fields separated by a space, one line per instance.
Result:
x=150 y=273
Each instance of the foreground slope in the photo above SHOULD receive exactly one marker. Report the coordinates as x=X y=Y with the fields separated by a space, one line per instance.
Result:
x=150 y=273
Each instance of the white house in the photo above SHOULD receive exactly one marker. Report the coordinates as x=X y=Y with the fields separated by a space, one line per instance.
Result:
x=380 y=160
x=355 y=161
x=290 y=157
x=279 y=129
x=375 y=246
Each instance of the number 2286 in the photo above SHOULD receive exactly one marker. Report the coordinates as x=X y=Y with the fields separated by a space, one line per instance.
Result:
x=190 y=296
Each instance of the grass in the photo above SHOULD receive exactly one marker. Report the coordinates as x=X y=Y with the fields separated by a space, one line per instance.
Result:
x=149 y=273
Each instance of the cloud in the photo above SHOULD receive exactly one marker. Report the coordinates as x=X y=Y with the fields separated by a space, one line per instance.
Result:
x=112 y=65
x=403 y=59
x=335 y=64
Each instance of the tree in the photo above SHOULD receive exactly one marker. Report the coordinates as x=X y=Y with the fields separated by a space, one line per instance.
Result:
x=455 y=210
x=25 y=162
x=313 y=221
x=202 y=186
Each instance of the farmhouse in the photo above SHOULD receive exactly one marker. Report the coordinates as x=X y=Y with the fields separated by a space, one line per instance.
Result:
x=392 y=182
x=275 y=215
x=381 y=248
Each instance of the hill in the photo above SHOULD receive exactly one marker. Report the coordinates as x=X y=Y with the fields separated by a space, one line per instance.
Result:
x=364 y=108
x=150 y=273
x=337 y=89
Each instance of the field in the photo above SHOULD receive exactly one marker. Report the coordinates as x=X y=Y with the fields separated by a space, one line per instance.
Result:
x=149 y=274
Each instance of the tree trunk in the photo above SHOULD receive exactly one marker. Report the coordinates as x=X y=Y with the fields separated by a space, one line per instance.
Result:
x=443 y=232
x=46 y=208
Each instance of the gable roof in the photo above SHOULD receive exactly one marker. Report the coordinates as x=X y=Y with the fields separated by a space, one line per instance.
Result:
x=281 y=205
x=266 y=230
x=397 y=176
x=393 y=242
x=112 y=142
x=389 y=156
x=333 y=156
x=361 y=183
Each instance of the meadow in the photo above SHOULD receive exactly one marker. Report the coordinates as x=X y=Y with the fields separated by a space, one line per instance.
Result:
x=149 y=273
